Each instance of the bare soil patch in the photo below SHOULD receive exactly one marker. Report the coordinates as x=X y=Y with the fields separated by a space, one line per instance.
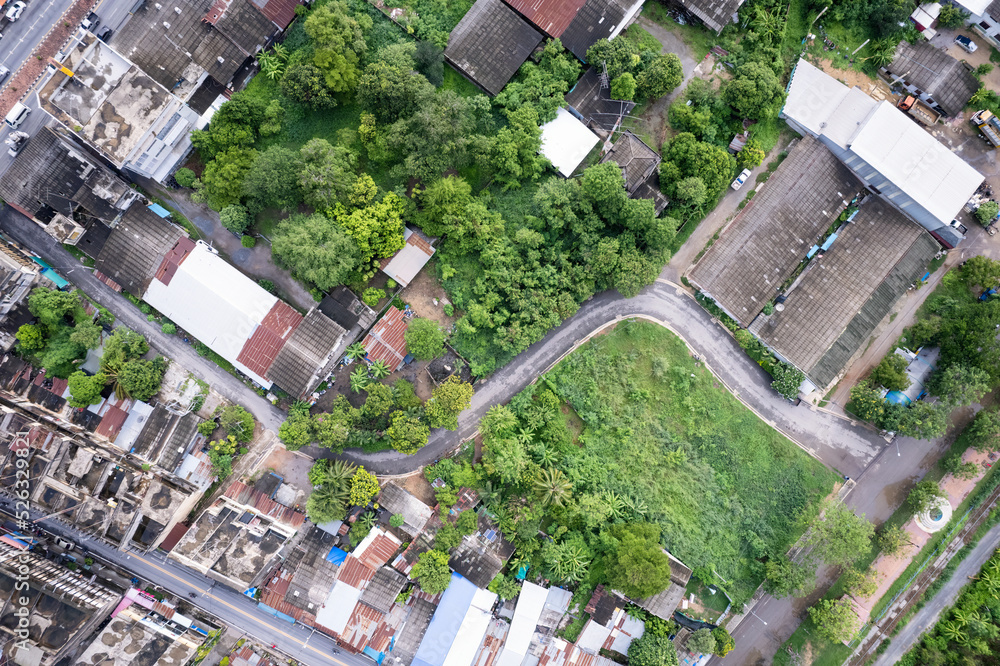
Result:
x=421 y=294
x=418 y=486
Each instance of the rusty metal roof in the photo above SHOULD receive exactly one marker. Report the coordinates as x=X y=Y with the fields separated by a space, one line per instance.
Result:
x=385 y=342
x=262 y=348
x=355 y=573
x=550 y=16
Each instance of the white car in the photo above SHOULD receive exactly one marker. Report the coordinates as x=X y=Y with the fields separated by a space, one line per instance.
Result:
x=15 y=11
x=740 y=179
x=966 y=44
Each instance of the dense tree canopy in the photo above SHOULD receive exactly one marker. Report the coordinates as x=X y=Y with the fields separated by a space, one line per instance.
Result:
x=316 y=249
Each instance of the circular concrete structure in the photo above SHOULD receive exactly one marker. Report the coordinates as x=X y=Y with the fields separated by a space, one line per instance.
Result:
x=935 y=518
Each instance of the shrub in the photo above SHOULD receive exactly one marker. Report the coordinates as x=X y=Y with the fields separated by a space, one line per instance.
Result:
x=396 y=520
x=168 y=328
x=248 y=241
x=267 y=285
x=236 y=218
x=449 y=309
x=424 y=339
x=206 y=428
x=986 y=212
x=372 y=296
x=391 y=284
x=184 y=177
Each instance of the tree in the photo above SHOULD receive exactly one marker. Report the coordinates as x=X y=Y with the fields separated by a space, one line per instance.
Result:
x=981 y=272
x=30 y=338
x=504 y=587
x=635 y=562
x=274 y=116
x=340 y=43
x=952 y=17
x=786 y=578
x=691 y=191
x=364 y=486
x=85 y=390
x=447 y=538
x=424 y=339
x=273 y=180
x=376 y=228
x=51 y=306
x=141 y=379
x=959 y=385
x=397 y=520
x=701 y=642
x=984 y=431
x=724 y=643
x=893 y=540
x=304 y=82
x=922 y=420
x=391 y=90
x=185 y=177
x=448 y=400
x=237 y=422
x=360 y=379
x=326 y=504
x=925 y=496
x=429 y=61
x=552 y=487
x=835 y=619
x=407 y=433
x=866 y=402
x=838 y=536
x=512 y=154
x=652 y=650
x=751 y=156
x=235 y=217
x=685 y=156
x=660 y=77
x=860 y=583
x=787 y=380
x=891 y=373
x=623 y=87
x=987 y=212
x=222 y=181
x=315 y=249
x=355 y=351
x=467 y=522
x=372 y=296
x=755 y=91
x=432 y=572
x=235 y=125
x=441 y=201
x=86 y=334
x=168 y=328
x=297 y=431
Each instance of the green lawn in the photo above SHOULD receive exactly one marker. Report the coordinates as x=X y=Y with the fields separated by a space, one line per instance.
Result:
x=726 y=488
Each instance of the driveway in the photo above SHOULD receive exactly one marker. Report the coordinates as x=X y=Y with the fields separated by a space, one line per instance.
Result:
x=254 y=262
x=655 y=116
x=927 y=617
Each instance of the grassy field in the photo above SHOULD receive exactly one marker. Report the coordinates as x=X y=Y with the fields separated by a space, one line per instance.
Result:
x=726 y=488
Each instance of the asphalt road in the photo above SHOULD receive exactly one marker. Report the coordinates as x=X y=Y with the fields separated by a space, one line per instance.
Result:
x=296 y=641
x=927 y=617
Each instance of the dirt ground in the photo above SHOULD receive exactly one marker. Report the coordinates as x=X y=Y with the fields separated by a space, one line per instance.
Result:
x=418 y=486
x=850 y=77
x=420 y=294
x=293 y=469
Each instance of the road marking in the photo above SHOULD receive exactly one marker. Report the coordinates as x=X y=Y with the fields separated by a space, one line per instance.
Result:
x=243 y=612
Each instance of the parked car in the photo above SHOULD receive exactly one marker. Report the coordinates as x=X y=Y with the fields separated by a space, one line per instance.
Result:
x=91 y=22
x=740 y=179
x=64 y=544
x=959 y=227
x=966 y=44
x=105 y=34
x=4 y=73
x=15 y=11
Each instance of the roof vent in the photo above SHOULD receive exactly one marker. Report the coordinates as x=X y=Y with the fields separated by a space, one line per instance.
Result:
x=166 y=25
x=221 y=60
x=158 y=6
x=296 y=593
x=177 y=10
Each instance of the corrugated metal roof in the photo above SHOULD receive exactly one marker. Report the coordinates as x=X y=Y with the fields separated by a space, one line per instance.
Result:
x=246 y=495
x=112 y=422
x=181 y=249
x=262 y=348
x=280 y=12
x=405 y=264
x=385 y=342
x=551 y=16
x=176 y=534
x=355 y=573
x=376 y=549
x=566 y=142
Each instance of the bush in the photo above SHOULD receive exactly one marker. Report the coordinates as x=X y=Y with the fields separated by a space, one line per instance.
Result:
x=986 y=212
x=372 y=296
x=168 y=328
x=391 y=284
x=449 y=310
x=424 y=339
x=206 y=428
x=236 y=218
x=267 y=285
x=184 y=177
x=248 y=241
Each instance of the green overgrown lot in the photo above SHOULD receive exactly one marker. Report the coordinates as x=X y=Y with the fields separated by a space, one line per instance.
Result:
x=736 y=492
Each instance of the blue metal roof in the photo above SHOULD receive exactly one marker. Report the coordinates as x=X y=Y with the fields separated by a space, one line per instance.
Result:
x=159 y=210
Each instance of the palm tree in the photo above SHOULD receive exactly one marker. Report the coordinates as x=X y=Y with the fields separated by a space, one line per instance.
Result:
x=552 y=487
x=546 y=456
x=569 y=563
x=339 y=472
x=963 y=617
x=365 y=522
x=355 y=351
x=380 y=369
x=952 y=631
x=636 y=506
x=360 y=379
x=525 y=436
x=614 y=502
x=490 y=494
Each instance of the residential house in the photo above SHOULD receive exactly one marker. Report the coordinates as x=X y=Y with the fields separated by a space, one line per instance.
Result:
x=890 y=154
x=663 y=604
x=935 y=77
x=590 y=101
x=115 y=107
x=715 y=14
x=609 y=626
x=386 y=341
x=481 y=555
x=405 y=264
x=925 y=17
x=347 y=311
x=458 y=626
x=829 y=291
x=143 y=631
x=566 y=142
x=64 y=190
x=984 y=17
x=18 y=274
x=640 y=169
x=578 y=24
x=196 y=49
x=395 y=500
x=530 y=604
x=62 y=606
x=490 y=44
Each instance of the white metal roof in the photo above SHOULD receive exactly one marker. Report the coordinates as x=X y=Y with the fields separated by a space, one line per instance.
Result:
x=134 y=423
x=813 y=95
x=975 y=7
x=340 y=603
x=849 y=117
x=592 y=637
x=213 y=301
x=529 y=607
x=566 y=141
x=916 y=162
x=470 y=633
x=406 y=263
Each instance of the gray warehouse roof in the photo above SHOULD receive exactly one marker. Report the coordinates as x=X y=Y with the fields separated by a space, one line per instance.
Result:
x=760 y=249
x=716 y=14
x=490 y=43
x=843 y=295
x=930 y=69
x=135 y=249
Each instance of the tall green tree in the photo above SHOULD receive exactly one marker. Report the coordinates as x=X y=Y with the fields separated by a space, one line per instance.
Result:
x=273 y=180
x=835 y=619
x=339 y=43
x=924 y=496
x=959 y=385
x=652 y=650
x=237 y=422
x=448 y=400
x=552 y=487
x=85 y=390
x=755 y=91
x=838 y=536
x=891 y=373
x=432 y=572
x=316 y=249
x=222 y=180
x=424 y=339
x=788 y=579
x=407 y=433
x=660 y=77
x=51 y=306
x=141 y=379
x=635 y=562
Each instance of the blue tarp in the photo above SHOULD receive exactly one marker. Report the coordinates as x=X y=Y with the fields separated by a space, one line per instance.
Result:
x=51 y=274
x=829 y=241
x=159 y=210
x=522 y=572
x=813 y=250
x=336 y=555
x=896 y=398
x=377 y=656
x=443 y=629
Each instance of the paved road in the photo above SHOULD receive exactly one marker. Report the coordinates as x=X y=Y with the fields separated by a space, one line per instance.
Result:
x=296 y=641
x=926 y=617
x=33 y=236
